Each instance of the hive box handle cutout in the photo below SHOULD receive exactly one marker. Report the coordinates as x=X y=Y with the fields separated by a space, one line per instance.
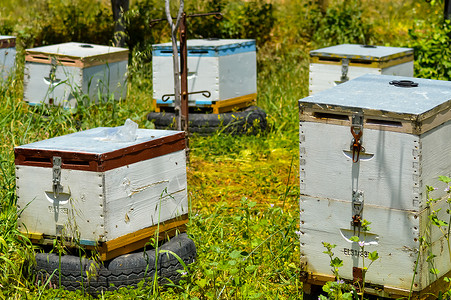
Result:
x=61 y=199
x=367 y=237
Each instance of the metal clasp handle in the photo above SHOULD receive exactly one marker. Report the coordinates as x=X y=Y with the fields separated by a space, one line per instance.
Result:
x=56 y=180
x=206 y=94
x=404 y=83
x=357 y=210
x=357 y=132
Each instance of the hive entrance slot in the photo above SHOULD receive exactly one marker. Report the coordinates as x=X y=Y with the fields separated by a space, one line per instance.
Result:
x=76 y=162
x=40 y=57
x=329 y=59
x=68 y=61
x=198 y=51
x=38 y=159
x=384 y=122
x=323 y=115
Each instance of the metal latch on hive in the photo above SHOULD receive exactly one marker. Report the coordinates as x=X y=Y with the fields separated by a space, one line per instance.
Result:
x=344 y=71
x=357 y=132
x=357 y=211
x=56 y=181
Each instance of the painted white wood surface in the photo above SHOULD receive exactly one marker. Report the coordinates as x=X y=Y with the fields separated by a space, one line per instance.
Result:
x=104 y=205
x=392 y=172
x=202 y=75
x=237 y=75
x=7 y=62
x=145 y=193
x=392 y=235
x=78 y=209
x=439 y=246
x=70 y=81
x=388 y=172
x=435 y=158
x=225 y=74
x=324 y=76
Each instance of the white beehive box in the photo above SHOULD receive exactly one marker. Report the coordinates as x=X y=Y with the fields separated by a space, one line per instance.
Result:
x=407 y=145
x=332 y=65
x=103 y=189
x=7 y=56
x=59 y=74
x=227 y=68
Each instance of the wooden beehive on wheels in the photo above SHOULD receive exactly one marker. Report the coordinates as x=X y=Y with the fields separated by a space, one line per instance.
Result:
x=7 y=56
x=102 y=190
x=62 y=74
x=333 y=65
x=225 y=68
x=380 y=176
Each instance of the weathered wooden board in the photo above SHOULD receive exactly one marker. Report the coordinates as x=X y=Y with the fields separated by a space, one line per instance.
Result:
x=7 y=56
x=225 y=68
x=385 y=172
x=109 y=188
x=326 y=63
x=394 y=235
x=406 y=146
x=58 y=74
x=101 y=206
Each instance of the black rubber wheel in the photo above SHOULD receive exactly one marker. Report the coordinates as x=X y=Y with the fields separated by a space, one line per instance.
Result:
x=122 y=271
x=249 y=121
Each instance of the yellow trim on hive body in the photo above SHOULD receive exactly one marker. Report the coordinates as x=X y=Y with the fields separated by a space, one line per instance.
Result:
x=356 y=62
x=221 y=106
x=233 y=103
x=33 y=235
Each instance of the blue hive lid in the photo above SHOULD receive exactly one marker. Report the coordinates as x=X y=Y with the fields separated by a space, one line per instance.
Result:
x=208 y=47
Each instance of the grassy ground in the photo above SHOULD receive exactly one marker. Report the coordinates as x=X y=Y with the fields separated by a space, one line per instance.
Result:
x=243 y=189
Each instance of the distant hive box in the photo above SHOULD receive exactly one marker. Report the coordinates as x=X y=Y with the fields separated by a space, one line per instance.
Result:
x=99 y=191
x=406 y=146
x=227 y=69
x=333 y=65
x=60 y=74
x=7 y=56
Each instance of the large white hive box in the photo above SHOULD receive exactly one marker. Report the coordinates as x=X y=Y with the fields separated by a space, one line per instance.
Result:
x=227 y=68
x=93 y=187
x=59 y=74
x=406 y=144
x=7 y=56
x=333 y=65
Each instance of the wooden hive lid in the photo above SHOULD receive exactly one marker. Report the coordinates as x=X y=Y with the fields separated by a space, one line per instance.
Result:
x=362 y=52
x=80 y=55
x=98 y=150
x=385 y=105
x=7 y=41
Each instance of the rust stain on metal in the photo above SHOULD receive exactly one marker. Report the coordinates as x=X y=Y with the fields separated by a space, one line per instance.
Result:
x=357 y=274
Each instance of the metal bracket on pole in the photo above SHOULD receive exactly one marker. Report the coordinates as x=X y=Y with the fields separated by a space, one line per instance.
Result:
x=181 y=85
